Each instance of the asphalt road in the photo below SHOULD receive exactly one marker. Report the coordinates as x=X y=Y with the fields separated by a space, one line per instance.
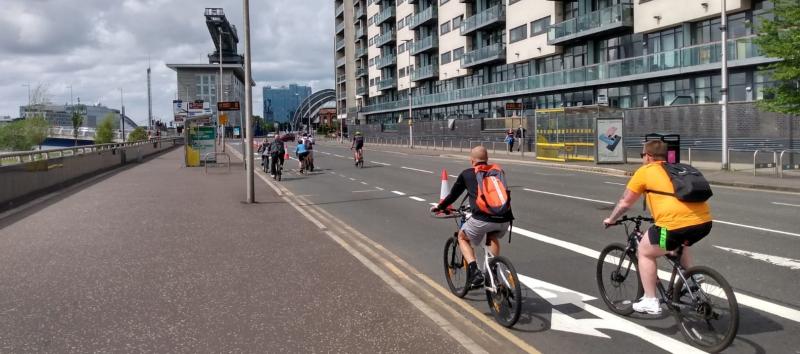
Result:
x=755 y=244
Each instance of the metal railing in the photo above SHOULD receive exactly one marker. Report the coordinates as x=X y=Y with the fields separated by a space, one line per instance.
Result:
x=665 y=62
x=421 y=45
x=360 y=32
x=387 y=83
x=385 y=61
x=422 y=17
x=339 y=27
x=385 y=38
x=495 y=51
x=384 y=15
x=339 y=10
x=19 y=157
x=492 y=15
x=425 y=72
x=609 y=17
x=341 y=61
x=360 y=12
x=339 y=44
x=360 y=52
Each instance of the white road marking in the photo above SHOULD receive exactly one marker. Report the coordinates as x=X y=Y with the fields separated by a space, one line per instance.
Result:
x=366 y=191
x=787 y=204
x=776 y=260
x=453 y=176
x=352 y=179
x=569 y=196
x=743 y=299
x=379 y=188
x=557 y=295
x=398 y=193
x=381 y=163
x=415 y=169
x=395 y=152
x=757 y=228
x=417 y=199
x=364 y=183
x=337 y=155
x=433 y=204
x=615 y=183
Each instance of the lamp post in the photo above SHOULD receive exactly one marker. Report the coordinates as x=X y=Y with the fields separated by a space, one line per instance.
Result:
x=122 y=114
x=219 y=93
x=410 y=96
x=248 y=93
x=724 y=90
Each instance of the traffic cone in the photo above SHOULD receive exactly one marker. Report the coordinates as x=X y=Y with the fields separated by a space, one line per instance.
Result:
x=445 y=189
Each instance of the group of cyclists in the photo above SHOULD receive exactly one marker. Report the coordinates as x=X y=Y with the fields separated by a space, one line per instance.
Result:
x=273 y=153
x=676 y=223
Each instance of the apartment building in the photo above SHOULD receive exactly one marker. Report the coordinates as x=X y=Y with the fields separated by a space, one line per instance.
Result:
x=467 y=58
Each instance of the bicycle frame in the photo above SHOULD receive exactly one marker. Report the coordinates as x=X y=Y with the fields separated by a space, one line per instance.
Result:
x=487 y=255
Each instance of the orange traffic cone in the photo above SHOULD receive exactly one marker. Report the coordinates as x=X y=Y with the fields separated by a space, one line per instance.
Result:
x=445 y=189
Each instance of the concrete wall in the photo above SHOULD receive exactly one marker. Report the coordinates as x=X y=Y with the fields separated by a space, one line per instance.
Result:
x=19 y=183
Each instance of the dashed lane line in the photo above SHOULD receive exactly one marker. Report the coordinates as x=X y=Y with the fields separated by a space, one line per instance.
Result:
x=364 y=183
x=352 y=179
x=417 y=199
x=398 y=193
x=787 y=204
x=569 y=196
x=381 y=163
x=615 y=183
x=379 y=188
x=416 y=169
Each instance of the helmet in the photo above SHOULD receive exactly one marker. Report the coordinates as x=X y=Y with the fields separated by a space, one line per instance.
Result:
x=358 y=133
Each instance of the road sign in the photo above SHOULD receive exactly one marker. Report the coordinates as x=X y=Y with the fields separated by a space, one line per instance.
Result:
x=223 y=119
x=228 y=106
x=513 y=106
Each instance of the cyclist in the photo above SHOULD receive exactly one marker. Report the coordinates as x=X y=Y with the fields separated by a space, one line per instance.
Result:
x=309 y=142
x=263 y=149
x=676 y=222
x=302 y=153
x=276 y=152
x=358 y=144
x=481 y=224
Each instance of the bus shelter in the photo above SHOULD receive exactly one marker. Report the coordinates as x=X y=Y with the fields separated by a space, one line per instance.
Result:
x=571 y=133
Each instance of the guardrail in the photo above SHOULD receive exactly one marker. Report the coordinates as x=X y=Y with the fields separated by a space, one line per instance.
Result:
x=14 y=158
x=215 y=153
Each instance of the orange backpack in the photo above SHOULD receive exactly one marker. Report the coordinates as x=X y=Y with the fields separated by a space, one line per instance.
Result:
x=493 y=196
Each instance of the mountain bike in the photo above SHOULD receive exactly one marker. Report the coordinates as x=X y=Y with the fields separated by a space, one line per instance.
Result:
x=706 y=310
x=503 y=291
x=360 y=158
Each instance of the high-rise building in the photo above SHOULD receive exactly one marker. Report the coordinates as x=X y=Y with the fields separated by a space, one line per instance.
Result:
x=280 y=103
x=467 y=58
x=61 y=115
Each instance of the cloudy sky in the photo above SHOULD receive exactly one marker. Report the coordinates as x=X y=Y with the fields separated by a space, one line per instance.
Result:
x=99 y=46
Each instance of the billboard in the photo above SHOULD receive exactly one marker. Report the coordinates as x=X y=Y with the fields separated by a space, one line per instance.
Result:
x=609 y=141
x=179 y=111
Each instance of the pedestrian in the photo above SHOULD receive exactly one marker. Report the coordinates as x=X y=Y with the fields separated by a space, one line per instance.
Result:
x=510 y=140
x=520 y=135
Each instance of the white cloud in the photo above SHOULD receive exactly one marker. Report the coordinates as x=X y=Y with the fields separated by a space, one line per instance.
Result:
x=102 y=46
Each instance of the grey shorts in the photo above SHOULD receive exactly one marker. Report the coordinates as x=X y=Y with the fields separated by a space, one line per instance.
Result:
x=476 y=230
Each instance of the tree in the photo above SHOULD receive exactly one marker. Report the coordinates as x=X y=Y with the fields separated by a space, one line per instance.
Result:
x=77 y=120
x=36 y=130
x=138 y=134
x=105 y=130
x=779 y=37
x=12 y=136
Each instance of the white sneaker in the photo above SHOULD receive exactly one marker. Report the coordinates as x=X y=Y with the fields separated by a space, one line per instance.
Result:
x=647 y=305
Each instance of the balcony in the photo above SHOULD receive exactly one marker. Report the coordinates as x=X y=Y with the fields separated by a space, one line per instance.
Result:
x=493 y=16
x=339 y=27
x=385 y=15
x=385 y=39
x=602 y=21
x=361 y=91
x=699 y=58
x=360 y=52
x=339 y=45
x=340 y=79
x=425 y=72
x=339 y=10
x=484 y=55
x=426 y=16
x=386 y=84
x=360 y=32
x=386 y=60
x=360 y=12
x=424 y=45
x=360 y=72
x=341 y=61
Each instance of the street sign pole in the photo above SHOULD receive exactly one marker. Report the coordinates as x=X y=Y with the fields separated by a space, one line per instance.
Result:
x=248 y=106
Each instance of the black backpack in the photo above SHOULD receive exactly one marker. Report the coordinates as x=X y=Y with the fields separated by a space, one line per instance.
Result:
x=689 y=184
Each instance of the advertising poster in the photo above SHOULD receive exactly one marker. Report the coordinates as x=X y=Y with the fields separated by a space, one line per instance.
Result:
x=609 y=141
x=179 y=111
x=201 y=142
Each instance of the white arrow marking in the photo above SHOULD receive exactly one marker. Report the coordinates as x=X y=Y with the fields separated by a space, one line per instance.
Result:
x=558 y=295
x=778 y=261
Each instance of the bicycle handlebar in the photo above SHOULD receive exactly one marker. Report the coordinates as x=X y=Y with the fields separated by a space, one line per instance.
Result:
x=450 y=213
x=637 y=219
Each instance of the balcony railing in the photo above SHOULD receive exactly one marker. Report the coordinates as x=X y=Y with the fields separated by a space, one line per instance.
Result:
x=385 y=39
x=428 y=15
x=359 y=13
x=425 y=72
x=609 y=18
x=386 y=84
x=339 y=27
x=339 y=10
x=361 y=72
x=425 y=44
x=360 y=52
x=483 y=55
x=741 y=51
x=339 y=45
x=489 y=17
x=361 y=90
x=385 y=61
x=360 y=32
x=341 y=61
x=384 y=15
x=340 y=78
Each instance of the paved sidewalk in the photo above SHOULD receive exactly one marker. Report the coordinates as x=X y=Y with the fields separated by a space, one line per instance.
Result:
x=764 y=180
x=161 y=258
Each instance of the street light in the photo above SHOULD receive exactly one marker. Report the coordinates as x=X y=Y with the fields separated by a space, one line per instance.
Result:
x=248 y=93
x=410 y=120
x=122 y=114
x=724 y=90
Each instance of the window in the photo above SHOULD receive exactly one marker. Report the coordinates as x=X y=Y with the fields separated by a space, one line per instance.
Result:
x=518 y=33
x=401 y=23
x=401 y=48
x=445 y=58
x=737 y=87
x=401 y=72
x=457 y=21
x=458 y=53
x=540 y=26
x=444 y=28
x=763 y=80
x=666 y=40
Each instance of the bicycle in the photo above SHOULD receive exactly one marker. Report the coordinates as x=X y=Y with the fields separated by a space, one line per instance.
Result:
x=503 y=291
x=694 y=306
x=358 y=157
x=278 y=168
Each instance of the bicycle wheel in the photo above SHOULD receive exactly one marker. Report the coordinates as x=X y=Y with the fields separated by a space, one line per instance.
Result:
x=455 y=268
x=618 y=278
x=707 y=312
x=506 y=303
